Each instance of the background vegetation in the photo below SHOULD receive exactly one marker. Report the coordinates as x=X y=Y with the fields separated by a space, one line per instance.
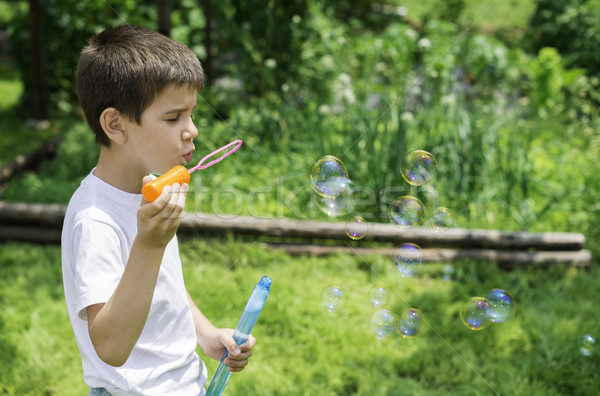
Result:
x=508 y=109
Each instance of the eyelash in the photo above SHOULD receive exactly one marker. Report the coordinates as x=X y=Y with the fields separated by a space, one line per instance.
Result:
x=177 y=118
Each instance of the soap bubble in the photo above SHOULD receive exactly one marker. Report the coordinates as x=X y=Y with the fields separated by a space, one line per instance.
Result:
x=378 y=296
x=408 y=258
x=329 y=177
x=382 y=323
x=447 y=272
x=588 y=345
x=441 y=219
x=332 y=298
x=473 y=313
x=407 y=212
x=419 y=167
x=409 y=323
x=357 y=228
x=339 y=205
x=501 y=307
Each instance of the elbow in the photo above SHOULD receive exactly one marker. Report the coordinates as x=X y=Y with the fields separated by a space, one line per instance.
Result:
x=111 y=354
x=114 y=361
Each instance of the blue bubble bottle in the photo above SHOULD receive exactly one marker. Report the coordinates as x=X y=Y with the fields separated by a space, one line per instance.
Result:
x=242 y=332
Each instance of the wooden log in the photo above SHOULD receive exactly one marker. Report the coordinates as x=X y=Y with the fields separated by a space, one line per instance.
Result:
x=29 y=233
x=507 y=258
x=27 y=160
x=27 y=213
x=380 y=232
x=205 y=224
x=577 y=258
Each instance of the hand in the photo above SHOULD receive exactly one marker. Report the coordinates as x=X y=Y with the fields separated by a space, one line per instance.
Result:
x=222 y=340
x=159 y=220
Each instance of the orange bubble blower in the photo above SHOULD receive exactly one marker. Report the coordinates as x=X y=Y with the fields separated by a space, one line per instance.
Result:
x=180 y=174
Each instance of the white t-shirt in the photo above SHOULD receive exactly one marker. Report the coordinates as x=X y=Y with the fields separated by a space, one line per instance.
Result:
x=98 y=232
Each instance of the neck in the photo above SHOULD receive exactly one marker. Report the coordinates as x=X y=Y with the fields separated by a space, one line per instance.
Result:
x=114 y=170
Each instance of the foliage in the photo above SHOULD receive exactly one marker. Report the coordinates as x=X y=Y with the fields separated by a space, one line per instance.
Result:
x=513 y=134
x=572 y=27
x=67 y=25
x=55 y=181
x=304 y=350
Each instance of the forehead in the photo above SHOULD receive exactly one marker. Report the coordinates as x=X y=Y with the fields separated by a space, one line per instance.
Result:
x=174 y=98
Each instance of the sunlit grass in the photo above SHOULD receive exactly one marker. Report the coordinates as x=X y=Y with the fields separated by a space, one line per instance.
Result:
x=488 y=14
x=304 y=350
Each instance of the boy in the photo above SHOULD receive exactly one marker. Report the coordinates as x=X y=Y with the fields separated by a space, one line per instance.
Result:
x=135 y=325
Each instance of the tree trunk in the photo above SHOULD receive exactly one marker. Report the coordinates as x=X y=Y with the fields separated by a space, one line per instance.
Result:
x=164 y=17
x=207 y=64
x=38 y=66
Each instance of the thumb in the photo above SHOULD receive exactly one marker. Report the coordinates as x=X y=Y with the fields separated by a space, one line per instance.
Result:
x=147 y=179
x=231 y=345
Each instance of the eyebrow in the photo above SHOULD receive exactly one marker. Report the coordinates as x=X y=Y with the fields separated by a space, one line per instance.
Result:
x=178 y=110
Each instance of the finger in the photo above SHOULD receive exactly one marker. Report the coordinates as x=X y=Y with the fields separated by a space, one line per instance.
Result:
x=173 y=209
x=182 y=196
x=241 y=356
x=249 y=344
x=236 y=369
x=146 y=179
x=165 y=197
x=232 y=347
x=236 y=365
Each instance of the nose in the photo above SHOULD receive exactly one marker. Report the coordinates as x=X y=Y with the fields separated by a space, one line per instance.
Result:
x=190 y=132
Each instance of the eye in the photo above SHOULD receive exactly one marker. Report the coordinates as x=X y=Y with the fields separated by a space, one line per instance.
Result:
x=172 y=120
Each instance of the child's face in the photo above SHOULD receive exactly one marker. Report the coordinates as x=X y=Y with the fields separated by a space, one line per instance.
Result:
x=165 y=135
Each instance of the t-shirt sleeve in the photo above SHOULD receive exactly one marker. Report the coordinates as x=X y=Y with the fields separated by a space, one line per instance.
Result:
x=99 y=260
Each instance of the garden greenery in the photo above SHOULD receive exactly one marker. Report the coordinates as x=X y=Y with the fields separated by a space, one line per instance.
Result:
x=513 y=132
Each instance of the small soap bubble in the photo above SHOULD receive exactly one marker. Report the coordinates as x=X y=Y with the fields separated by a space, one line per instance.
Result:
x=419 y=167
x=329 y=177
x=588 y=345
x=441 y=219
x=407 y=212
x=332 y=298
x=501 y=307
x=378 y=296
x=473 y=313
x=408 y=258
x=382 y=323
x=357 y=228
x=447 y=272
x=409 y=323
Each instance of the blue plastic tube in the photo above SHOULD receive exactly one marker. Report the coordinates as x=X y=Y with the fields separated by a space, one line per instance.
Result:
x=242 y=332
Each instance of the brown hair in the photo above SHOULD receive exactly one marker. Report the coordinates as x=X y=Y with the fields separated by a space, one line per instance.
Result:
x=126 y=67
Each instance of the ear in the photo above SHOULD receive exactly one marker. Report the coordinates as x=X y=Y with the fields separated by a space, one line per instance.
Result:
x=113 y=125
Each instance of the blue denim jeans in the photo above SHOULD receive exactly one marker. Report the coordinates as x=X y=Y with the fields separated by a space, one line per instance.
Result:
x=98 y=392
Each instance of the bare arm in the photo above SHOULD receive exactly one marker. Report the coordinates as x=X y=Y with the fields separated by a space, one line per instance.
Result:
x=115 y=326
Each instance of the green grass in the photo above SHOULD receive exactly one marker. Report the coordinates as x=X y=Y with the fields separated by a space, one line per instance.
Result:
x=488 y=14
x=304 y=350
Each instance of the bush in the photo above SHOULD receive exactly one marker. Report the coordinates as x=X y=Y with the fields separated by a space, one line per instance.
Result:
x=572 y=27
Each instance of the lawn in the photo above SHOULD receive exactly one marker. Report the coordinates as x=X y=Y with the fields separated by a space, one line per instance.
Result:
x=304 y=350
x=488 y=14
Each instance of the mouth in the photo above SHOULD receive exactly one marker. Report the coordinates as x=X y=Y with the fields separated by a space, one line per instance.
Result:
x=188 y=157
